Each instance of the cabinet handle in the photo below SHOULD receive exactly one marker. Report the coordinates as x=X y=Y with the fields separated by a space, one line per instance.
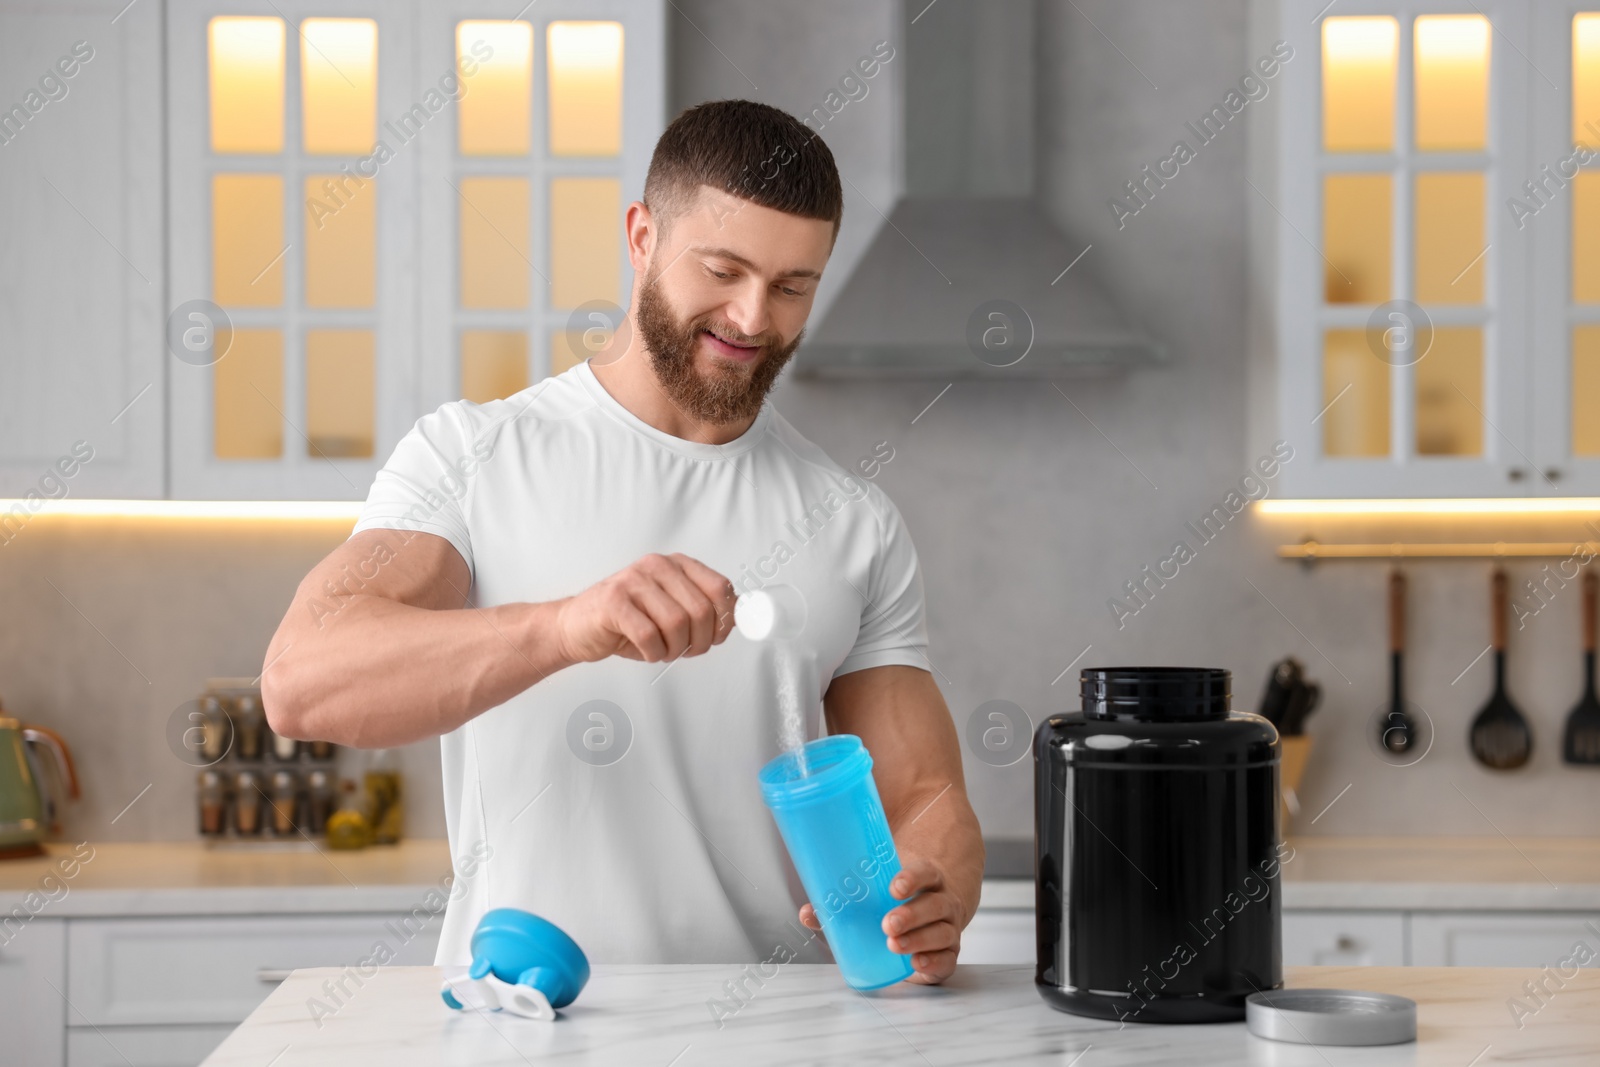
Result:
x=1345 y=943
x=1515 y=474
x=273 y=975
x=1552 y=474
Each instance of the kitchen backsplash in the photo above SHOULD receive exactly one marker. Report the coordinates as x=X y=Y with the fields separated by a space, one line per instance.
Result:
x=1028 y=516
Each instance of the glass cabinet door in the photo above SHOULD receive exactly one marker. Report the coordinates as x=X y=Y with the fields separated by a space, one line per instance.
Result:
x=1562 y=208
x=292 y=246
x=1403 y=288
x=524 y=259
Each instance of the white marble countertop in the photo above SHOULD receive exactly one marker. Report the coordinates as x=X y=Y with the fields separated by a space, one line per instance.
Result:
x=1344 y=873
x=659 y=1017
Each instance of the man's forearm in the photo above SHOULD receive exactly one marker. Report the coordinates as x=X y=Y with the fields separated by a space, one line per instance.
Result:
x=378 y=673
x=944 y=829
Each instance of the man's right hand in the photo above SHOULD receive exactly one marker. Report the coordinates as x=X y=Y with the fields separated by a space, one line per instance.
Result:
x=657 y=609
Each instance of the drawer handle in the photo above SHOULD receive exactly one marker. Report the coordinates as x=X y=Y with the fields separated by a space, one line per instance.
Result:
x=1346 y=943
x=273 y=975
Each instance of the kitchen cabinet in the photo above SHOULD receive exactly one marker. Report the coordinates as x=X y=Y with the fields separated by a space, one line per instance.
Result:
x=229 y=295
x=216 y=970
x=81 y=280
x=1465 y=939
x=524 y=267
x=33 y=985
x=388 y=207
x=1434 y=272
x=1000 y=935
x=143 y=1046
x=291 y=225
x=1345 y=939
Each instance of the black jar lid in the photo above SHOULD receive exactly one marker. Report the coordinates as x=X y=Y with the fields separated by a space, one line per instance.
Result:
x=1155 y=694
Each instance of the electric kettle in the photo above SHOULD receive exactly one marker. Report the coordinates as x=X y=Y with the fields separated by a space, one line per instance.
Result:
x=28 y=808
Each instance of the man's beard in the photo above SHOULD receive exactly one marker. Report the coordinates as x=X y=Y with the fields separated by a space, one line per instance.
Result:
x=727 y=394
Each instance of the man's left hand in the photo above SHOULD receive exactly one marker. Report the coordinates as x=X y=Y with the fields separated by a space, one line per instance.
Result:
x=928 y=927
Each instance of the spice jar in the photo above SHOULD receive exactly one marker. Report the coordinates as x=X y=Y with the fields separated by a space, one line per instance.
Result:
x=319 y=801
x=247 y=804
x=213 y=803
x=285 y=792
x=249 y=726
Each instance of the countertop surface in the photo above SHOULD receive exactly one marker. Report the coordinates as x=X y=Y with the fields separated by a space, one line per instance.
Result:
x=191 y=878
x=803 y=1014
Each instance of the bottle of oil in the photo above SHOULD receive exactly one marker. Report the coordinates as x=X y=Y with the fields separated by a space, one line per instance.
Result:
x=383 y=798
x=349 y=827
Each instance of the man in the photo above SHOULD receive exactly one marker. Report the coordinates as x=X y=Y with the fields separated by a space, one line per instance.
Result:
x=542 y=580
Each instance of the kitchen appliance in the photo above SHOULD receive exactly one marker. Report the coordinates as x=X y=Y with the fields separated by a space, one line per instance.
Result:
x=29 y=807
x=1157 y=849
x=1581 y=743
x=831 y=818
x=1500 y=736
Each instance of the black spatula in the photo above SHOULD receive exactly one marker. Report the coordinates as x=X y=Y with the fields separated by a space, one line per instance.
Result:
x=1500 y=736
x=1582 y=742
x=1397 y=732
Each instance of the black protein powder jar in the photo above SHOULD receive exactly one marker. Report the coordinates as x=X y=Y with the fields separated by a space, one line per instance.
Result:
x=1157 y=850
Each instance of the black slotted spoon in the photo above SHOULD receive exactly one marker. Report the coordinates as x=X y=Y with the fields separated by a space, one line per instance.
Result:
x=1582 y=741
x=1500 y=736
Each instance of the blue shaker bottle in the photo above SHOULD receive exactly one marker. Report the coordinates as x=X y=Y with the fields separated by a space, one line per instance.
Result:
x=833 y=824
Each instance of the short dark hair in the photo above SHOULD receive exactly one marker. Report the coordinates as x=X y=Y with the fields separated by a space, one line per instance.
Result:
x=753 y=151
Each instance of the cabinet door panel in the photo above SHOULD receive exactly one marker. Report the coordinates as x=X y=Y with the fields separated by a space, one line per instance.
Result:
x=32 y=961
x=310 y=249
x=1000 y=935
x=174 y=971
x=143 y=1046
x=81 y=282
x=1490 y=940
x=1344 y=939
x=1402 y=283
x=1562 y=216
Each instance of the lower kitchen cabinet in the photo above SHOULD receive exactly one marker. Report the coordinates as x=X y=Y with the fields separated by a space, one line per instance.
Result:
x=143 y=1046
x=1000 y=935
x=1345 y=939
x=1467 y=939
x=33 y=984
x=160 y=971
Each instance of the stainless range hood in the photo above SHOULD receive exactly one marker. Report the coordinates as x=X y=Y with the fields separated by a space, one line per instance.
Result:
x=968 y=232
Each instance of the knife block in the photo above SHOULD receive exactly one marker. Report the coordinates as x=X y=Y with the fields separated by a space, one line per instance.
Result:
x=1293 y=765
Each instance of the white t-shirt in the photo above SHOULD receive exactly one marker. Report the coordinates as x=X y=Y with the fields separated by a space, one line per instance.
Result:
x=654 y=847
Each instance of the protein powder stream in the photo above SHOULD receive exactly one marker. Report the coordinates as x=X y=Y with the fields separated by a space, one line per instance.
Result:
x=777 y=614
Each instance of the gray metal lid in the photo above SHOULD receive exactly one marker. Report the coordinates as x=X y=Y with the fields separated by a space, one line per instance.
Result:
x=1331 y=1017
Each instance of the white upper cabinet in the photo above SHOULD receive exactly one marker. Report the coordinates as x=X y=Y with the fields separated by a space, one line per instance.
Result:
x=82 y=398
x=292 y=249
x=524 y=266
x=1560 y=209
x=1406 y=354
x=379 y=207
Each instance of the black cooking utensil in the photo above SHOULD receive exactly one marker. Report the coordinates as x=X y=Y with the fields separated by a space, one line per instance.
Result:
x=1282 y=681
x=1582 y=741
x=1397 y=732
x=1500 y=736
x=1302 y=703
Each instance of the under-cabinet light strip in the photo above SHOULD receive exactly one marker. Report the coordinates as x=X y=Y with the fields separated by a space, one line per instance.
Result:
x=1572 y=505
x=293 y=510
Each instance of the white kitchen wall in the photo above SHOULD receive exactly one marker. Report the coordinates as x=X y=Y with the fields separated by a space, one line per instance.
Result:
x=1027 y=515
